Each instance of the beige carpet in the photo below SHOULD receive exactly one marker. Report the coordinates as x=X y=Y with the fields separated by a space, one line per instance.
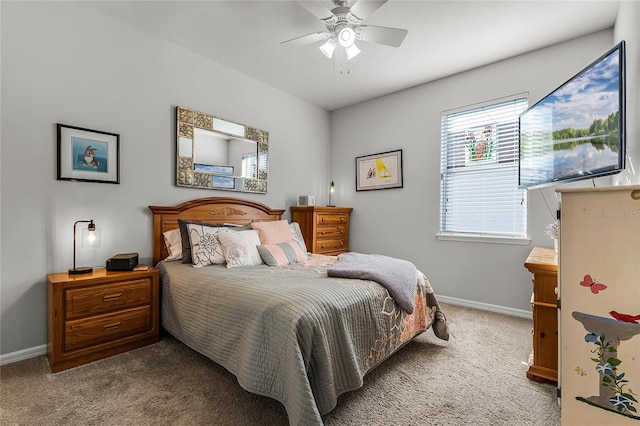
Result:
x=477 y=378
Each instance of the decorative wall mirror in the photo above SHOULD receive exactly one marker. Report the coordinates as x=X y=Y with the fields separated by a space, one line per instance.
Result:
x=213 y=153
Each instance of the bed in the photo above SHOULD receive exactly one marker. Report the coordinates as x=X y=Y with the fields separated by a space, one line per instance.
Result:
x=288 y=332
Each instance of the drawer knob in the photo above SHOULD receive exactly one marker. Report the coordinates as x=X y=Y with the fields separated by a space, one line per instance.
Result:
x=111 y=297
x=111 y=326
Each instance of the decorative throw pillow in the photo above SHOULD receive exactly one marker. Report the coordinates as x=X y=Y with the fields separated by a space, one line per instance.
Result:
x=274 y=232
x=297 y=235
x=173 y=242
x=282 y=254
x=184 y=235
x=205 y=246
x=240 y=247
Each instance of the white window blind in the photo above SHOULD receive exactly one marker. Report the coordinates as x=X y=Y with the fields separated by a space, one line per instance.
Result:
x=479 y=171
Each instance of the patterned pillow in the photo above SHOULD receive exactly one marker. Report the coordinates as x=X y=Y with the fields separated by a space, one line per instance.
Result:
x=274 y=232
x=184 y=235
x=240 y=248
x=282 y=254
x=173 y=242
x=297 y=235
x=204 y=244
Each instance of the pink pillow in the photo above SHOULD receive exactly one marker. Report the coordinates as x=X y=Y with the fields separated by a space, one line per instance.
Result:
x=275 y=232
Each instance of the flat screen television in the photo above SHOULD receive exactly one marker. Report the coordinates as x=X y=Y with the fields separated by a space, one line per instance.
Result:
x=577 y=131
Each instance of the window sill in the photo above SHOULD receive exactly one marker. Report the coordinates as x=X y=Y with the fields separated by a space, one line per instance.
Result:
x=482 y=238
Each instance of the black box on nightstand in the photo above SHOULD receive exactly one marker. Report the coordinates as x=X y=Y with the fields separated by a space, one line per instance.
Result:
x=122 y=262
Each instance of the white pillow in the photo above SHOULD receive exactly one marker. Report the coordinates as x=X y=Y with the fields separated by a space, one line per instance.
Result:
x=205 y=245
x=173 y=242
x=240 y=247
x=297 y=235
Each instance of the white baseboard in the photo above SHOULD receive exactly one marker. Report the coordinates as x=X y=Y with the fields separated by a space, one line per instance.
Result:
x=23 y=354
x=521 y=313
x=42 y=349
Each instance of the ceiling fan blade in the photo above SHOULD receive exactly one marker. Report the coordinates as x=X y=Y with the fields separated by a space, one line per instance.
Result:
x=316 y=8
x=364 y=8
x=384 y=35
x=305 y=39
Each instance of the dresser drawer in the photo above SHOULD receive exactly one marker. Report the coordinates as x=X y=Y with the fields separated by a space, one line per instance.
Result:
x=82 y=333
x=107 y=298
x=332 y=219
x=331 y=232
x=331 y=245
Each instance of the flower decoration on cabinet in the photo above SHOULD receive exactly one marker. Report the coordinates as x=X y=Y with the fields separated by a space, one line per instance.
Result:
x=607 y=364
x=552 y=230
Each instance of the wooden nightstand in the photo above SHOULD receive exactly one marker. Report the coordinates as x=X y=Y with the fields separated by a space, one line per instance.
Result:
x=96 y=315
x=325 y=229
x=543 y=264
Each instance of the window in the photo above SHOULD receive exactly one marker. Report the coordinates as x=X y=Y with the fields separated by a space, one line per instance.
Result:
x=479 y=194
x=250 y=166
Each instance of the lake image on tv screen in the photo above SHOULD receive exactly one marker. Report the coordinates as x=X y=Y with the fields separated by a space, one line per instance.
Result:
x=573 y=132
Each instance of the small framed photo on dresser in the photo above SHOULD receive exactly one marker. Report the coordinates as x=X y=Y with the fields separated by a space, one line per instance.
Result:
x=379 y=171
x=88 y=155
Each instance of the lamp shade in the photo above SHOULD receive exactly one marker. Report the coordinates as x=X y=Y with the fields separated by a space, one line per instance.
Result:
x=91 y=238
x=328 y=48
x=352 y=51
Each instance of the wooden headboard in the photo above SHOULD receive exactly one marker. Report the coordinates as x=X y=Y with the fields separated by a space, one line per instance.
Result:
x=213 y=210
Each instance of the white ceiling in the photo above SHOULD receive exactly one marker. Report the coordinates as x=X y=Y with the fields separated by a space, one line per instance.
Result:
x=445 y=38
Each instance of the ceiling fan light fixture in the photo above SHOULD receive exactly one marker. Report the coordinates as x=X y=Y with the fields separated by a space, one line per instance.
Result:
x=328 y=48
x=347 y=37
x=352 y=51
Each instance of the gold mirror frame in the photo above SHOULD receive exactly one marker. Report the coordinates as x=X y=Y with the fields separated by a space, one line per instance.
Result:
x=187 y=121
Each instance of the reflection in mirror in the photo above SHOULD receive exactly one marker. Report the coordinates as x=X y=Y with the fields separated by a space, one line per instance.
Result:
x=218 y=154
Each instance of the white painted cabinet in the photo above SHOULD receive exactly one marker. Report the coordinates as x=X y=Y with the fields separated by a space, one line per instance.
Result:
x=599 y=283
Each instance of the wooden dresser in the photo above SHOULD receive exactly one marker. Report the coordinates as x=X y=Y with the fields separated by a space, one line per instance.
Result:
x=543 y=264
x=99 y=314
x=325 y=229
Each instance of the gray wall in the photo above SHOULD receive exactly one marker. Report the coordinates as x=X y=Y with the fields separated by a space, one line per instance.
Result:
x=64 y=62
x=404 y=222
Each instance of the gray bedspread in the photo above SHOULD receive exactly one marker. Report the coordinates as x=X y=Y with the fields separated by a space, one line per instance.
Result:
x=290 y=333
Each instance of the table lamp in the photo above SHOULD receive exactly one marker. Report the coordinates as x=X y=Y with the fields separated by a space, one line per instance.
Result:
x=332 y=189
x=92 y=240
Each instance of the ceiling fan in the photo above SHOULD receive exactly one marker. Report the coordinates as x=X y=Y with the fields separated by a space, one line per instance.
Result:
x=344 y=27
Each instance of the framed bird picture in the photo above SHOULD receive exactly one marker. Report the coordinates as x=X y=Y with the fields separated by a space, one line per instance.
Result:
x=88 y=155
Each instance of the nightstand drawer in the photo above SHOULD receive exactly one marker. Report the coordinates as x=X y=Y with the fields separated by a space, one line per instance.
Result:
x=107 y=298
x=82 y=333
x=544 y=289
x=332 y=219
